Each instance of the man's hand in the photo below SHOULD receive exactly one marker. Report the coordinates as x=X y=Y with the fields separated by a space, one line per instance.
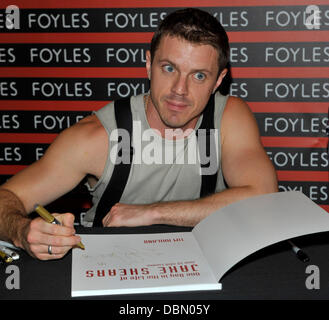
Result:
x=129 y=215
x=40 y=234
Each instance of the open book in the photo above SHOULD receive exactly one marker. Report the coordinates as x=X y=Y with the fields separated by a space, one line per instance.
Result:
x=196 y=260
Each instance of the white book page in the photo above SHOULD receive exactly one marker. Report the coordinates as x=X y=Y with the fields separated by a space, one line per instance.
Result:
x=119 y=264
x=234 y=232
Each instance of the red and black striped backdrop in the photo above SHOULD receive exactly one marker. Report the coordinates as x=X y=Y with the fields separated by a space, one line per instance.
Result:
x=59 y=60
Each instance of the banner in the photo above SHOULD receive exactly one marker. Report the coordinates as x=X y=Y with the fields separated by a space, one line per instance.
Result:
x=60 y=60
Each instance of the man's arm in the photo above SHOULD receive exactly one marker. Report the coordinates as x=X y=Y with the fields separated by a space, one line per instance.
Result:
x=66 y=162
x=246 y=169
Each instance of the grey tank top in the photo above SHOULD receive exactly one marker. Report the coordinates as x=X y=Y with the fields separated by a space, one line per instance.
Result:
x=162 y=169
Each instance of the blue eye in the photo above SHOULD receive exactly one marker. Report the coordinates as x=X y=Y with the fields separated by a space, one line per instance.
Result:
x=199 y=76
x=168 y=68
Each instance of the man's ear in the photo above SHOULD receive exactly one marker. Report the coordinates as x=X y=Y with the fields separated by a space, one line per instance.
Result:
x=220 y=79
x=148 y=64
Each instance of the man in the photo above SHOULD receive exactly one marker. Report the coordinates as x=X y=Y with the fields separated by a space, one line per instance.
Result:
x=186 y=65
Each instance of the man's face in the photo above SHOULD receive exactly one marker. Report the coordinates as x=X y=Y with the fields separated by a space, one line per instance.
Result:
x=183 y=76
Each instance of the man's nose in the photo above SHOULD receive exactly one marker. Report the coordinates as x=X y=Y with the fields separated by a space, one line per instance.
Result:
x=180 y=86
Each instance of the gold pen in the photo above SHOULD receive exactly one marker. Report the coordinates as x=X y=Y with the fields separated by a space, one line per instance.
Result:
x=43 y=213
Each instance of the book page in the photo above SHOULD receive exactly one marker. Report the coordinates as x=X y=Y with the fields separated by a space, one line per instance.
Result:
x=234 y=232
x=136 y=263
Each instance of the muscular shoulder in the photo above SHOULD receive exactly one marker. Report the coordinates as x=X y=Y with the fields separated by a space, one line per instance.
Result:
x=88 y=130
x=85 y=144
x=236 y=108
x=237 y=119
x=86 y=133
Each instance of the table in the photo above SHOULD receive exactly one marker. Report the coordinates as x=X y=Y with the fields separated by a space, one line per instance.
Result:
x=271 y=273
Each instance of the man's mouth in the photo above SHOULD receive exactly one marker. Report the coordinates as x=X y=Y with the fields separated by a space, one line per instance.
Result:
x=176 y=105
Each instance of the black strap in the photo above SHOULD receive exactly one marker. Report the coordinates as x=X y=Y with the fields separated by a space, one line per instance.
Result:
x=208 y=157
x=112 y=193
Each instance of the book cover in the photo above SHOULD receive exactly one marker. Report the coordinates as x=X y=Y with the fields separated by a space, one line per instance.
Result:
x=196 y=260
x=140 y=263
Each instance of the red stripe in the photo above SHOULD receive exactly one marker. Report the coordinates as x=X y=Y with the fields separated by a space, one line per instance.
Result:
x=11 y=170
x=319 y=176
x=278 y=36
x=145 y=37
x=286 y=107
x=325 y=207
x=263 y=107
x=74 y=72
x=281 y=72
x=51 y=105
x=122 y=72
x=295 y=142
x=99 y=37
x=32 y=4
x=27 y=137
x=64 y=72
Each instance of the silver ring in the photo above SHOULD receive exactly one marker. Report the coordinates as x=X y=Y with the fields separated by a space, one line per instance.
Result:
x=50 y=249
